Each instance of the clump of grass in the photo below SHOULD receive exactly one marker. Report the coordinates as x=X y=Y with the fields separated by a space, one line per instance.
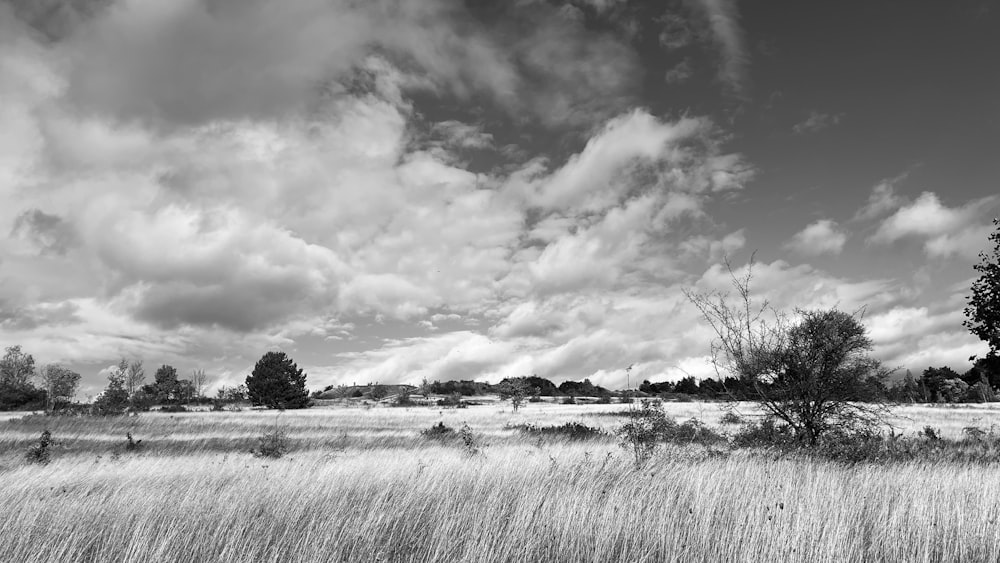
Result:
x=39 y=452
x=131 y=444
x=570 y=430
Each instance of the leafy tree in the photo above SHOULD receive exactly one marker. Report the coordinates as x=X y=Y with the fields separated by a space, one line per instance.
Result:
x=983 y=310
x=16 y=390
x=811 y=374
x=16 y=368
x=277 y=383
x=114 y=400
x=515 y=390
x=933 y=382
x=60 y=385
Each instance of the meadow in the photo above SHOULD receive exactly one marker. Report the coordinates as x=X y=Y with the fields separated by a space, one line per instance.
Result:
x=364 y=484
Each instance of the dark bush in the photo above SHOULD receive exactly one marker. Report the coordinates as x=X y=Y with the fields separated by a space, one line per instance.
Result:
x=273 y=444
x=39 y=452
x=569 y=430
x=731 y=418
x=569 y=401
x=173 y=408
x=766 y=433
x=692 y=431
x=438 y=431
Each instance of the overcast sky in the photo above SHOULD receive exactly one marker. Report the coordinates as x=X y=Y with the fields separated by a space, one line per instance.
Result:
x=397 y=190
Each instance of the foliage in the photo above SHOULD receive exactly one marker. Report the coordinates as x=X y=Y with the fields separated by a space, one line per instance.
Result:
x=647 y=426
x=515 y=390
x=569 y=430
x=114 y=400
x=731 y=418
x=39 y=452
x=60 y=385
x=16 y=391
x=272 y=444
x=277 y=383
x=470 y=442
x=438 y=431
x=983 y=310
x=814 y=374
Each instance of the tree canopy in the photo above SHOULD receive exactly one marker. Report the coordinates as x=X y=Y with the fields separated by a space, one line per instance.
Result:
x=983 y=310
x=277 y=383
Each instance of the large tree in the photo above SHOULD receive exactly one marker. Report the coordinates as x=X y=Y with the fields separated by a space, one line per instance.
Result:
x=811 y=370
x=983 y=312
x=16 y=368
x=277 y=383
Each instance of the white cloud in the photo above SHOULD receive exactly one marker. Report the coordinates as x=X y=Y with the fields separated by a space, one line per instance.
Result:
x=882 y=200
x=821 y=237
x=945 y=231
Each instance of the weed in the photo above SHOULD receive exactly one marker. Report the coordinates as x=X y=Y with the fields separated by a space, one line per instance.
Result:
x=39 y=452
x=469 y=440
x=273 y=444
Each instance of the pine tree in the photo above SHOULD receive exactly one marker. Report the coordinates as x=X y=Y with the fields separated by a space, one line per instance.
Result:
x=277 y=383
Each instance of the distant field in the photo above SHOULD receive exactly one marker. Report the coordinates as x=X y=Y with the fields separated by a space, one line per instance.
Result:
x=364 y=485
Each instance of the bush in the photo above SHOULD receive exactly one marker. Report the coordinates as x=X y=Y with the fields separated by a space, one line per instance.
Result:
x=454 y=400
x=768 y=432
x=403 y=400
x=570 y=430
x=645 y=429
x=173 y=408
x=273 y=444
x=39 y=453
x=569 y=401
x=131 y=444
x=438 y=431
x=692 y=431
x=731 y=418
x=469 y=440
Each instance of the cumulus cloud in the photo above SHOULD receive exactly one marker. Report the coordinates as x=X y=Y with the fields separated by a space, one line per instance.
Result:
x=882 y=200
x=821 y=237
x=945 y=231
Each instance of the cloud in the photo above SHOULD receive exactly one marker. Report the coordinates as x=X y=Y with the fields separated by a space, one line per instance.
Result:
x=882 y=200
x=945 y=231
x=821 y=237
x=48 y=232
x=817 y=121
x=723 y=20
x=679 y=73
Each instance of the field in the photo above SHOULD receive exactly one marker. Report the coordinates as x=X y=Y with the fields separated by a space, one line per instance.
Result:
x=365 y=485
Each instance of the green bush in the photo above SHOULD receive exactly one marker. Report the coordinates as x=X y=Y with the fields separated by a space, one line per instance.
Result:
x=273 y=444
x=438 y=431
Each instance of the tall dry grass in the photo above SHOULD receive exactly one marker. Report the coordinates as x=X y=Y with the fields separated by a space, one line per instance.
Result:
x=383 y=492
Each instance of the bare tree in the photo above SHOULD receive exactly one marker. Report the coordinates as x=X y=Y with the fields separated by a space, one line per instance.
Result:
x=134 y=377
x=200 y=382
x=809 y=373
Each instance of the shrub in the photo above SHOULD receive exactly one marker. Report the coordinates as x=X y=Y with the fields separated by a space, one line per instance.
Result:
x=454 y=400
x=569 y=430
x=692 y=431
x=173 y=408
x=731 y=418
x=767 y=432
x=645 y=429
x=273 y=444
x=39 y=452
x=131 y=444
x=604 y=400
x=438 y=431
x=535 y=399
x=569 y=401
x=403 y=400
x=931 y=434
x=469 y=440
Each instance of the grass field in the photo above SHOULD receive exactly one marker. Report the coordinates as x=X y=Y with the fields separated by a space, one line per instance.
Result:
x=365 y=485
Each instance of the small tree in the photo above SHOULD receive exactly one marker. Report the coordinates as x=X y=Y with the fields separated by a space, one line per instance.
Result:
x=134 y=377
x=114 y=400
x=277 y=383
x=200 y=382
x=983 y=310
x=515 y=390
x=812 y=374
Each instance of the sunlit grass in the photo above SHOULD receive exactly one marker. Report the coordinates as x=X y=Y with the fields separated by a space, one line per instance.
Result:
x=364 y=485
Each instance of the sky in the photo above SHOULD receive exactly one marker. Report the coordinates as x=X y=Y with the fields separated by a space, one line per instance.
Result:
x=391 y=191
